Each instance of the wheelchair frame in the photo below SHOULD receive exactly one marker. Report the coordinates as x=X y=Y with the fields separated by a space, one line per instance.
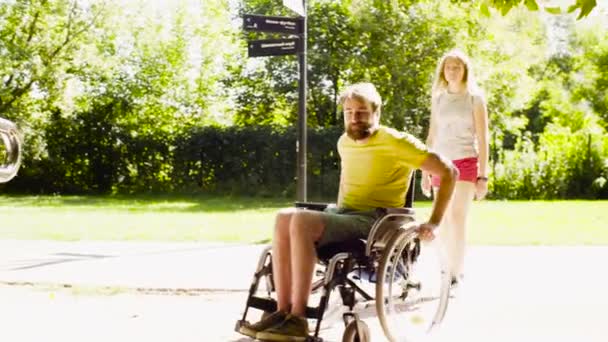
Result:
x=339 y=266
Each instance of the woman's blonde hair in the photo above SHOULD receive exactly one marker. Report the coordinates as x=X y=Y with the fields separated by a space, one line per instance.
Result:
x=440 y=84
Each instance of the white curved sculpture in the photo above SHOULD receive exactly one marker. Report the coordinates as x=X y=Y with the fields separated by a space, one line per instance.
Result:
x=12 y=142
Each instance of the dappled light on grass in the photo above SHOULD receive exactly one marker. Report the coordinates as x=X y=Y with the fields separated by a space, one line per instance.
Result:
x=163 y=203
x=139 y=218
x=250 y=220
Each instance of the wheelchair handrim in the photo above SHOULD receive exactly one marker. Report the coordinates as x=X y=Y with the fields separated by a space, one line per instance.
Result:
x=400 y=316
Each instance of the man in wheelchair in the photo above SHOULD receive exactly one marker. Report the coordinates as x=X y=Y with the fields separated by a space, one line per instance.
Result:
x=376 y=162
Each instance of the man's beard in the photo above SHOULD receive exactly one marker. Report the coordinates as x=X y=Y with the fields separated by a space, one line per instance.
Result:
x=359 y=131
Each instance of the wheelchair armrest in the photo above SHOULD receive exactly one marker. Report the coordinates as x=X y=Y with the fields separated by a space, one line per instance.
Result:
x=401 y=211
x=383 y=215
x=311 y=205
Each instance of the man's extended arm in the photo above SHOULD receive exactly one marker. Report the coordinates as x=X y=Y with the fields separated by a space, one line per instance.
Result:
x=447 y=172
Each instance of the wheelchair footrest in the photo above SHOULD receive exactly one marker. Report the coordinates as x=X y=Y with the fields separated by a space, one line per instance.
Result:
x=264 y=304
x=270 y=305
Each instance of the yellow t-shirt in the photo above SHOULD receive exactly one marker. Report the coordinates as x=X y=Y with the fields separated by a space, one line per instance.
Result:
x=377 y=173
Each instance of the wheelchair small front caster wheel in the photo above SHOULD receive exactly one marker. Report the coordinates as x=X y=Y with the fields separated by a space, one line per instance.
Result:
x=351 y=334
x=239 y=324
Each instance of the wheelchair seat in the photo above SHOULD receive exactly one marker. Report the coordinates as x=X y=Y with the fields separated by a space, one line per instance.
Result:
x=355 y=247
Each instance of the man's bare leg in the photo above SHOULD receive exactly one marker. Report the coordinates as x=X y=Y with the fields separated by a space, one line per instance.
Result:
x=281 y=272
x=306 y=228
x=281 y=258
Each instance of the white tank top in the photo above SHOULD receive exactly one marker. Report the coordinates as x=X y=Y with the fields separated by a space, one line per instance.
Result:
x=455 y=126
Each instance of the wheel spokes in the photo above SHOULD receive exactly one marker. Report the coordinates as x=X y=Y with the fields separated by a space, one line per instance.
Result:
x=411 y=298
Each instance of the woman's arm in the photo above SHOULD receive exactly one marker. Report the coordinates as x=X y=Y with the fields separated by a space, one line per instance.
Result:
x=480 y=115
x=432 y=125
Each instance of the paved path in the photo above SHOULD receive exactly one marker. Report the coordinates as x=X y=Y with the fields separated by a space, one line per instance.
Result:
x=510 y=294
x=192 y=266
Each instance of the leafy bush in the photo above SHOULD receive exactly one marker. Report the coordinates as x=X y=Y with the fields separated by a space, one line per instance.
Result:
x=563 y=165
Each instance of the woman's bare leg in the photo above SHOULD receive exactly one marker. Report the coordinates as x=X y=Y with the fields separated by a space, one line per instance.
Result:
x=457 y=216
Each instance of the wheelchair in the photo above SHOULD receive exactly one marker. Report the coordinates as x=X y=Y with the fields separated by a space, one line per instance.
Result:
x=411 y=287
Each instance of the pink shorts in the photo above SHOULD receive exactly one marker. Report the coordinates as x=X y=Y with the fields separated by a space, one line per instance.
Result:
x=468 y=171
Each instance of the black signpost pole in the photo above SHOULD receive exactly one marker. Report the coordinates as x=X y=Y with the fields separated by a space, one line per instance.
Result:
x=302 y=117
x=287 y=46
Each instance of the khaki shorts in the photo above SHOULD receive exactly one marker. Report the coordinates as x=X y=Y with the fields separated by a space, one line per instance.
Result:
x=345 y=224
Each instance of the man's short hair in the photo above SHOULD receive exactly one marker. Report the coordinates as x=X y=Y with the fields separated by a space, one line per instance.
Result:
x=365 y=92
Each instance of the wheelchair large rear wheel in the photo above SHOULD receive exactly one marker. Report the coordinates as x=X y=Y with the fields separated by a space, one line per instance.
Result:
x=411 y=291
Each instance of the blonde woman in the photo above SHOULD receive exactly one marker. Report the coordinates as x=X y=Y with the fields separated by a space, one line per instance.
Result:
x=458 y=131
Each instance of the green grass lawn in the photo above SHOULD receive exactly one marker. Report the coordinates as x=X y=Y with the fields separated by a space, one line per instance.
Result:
x=170 y=218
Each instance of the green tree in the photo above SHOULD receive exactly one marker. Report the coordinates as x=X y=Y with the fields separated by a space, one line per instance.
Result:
x=562 y=150
x=590 y=74
x=39 y=42
x=121 y=86
x=393 y=44
x=504 y=6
